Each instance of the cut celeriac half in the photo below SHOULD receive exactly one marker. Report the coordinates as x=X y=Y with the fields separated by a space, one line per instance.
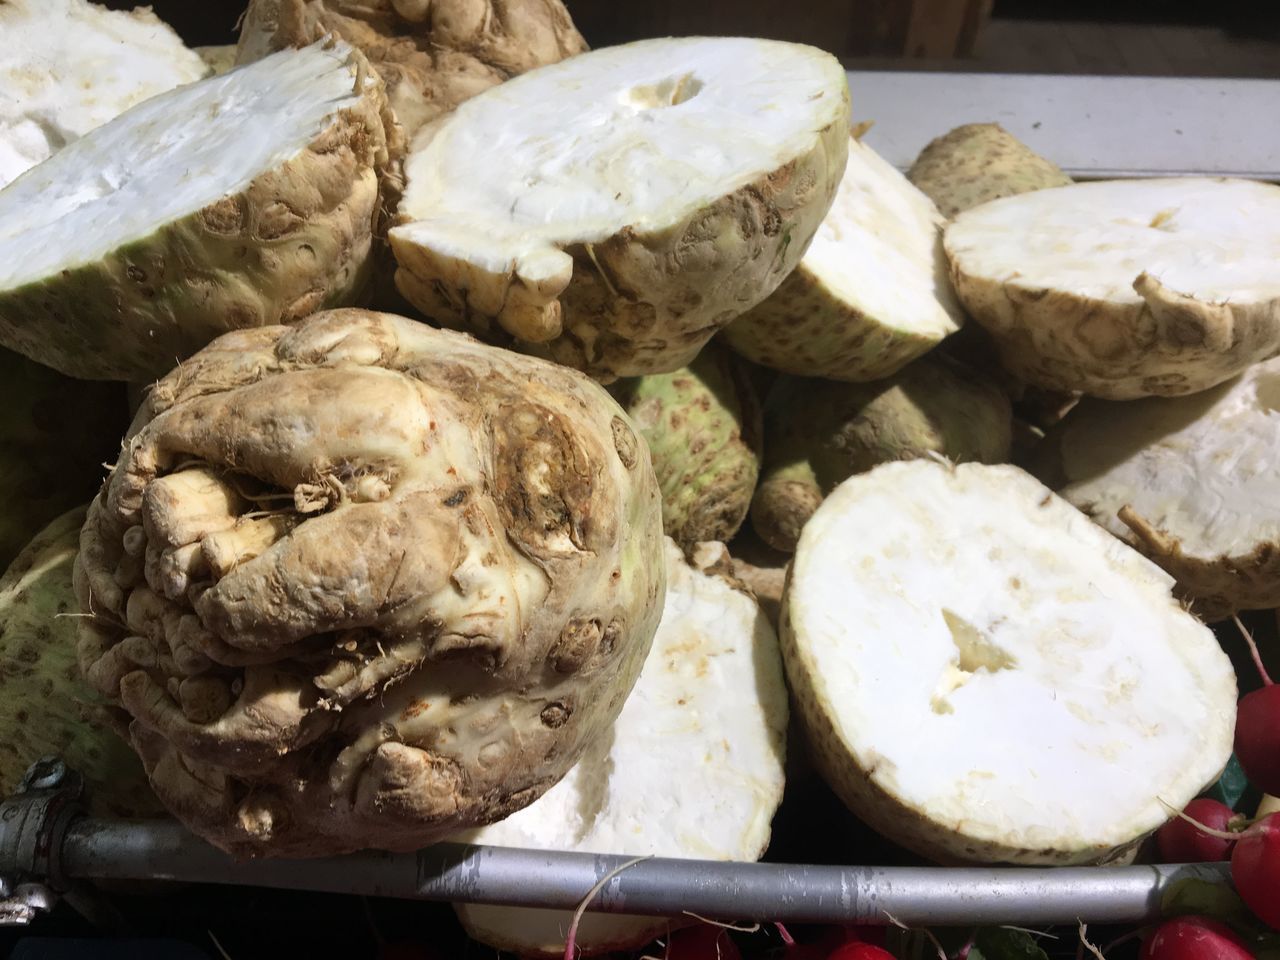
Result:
x=242 y=200
x=693 y=766
x=614 y=210
x=984 y=674
x=1189 y=481
x=872 y=292
x=68 y=66
x=1124 y=289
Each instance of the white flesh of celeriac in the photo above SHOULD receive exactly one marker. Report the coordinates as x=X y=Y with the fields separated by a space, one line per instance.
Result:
x=615 y=210
x=693 y=766
x=872 y=292
x=168 y=158
x=1122 y=289
x=1200 y=471
x=880 y=250
x=987 y=675
x=638 y=135
x=68 y=66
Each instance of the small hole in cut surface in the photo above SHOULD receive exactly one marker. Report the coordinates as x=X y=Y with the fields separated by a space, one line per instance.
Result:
x=670 y=92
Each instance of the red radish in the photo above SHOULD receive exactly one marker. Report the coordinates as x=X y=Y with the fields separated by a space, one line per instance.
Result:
x=703 y=942
x=1194 y=938
x=1258 y=737
x=1255 y=869
x=860 y=951
x=851 y=933
x=1257 y=743
x=1182 y=842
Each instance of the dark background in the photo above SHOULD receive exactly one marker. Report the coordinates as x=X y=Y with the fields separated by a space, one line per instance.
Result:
x=872 y=26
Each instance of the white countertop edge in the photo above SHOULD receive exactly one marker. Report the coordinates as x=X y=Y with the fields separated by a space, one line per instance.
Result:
x=1091 y=126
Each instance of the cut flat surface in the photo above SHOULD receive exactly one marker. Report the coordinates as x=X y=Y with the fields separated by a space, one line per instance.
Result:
x=1198 y=476
x=242 y=200
x=168 y=158
x=872 y=292
x=1036 y=708
x=68 y=66
x=693 y=766
x=675 y=181
x=1124 y=289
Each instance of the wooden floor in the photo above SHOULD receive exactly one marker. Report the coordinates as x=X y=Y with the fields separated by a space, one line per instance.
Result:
x=1040 y=46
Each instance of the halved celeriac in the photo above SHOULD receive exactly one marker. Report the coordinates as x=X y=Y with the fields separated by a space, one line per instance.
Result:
x=872 y=292
x=242 y=200
x=986 y=675
x=614 y=210
x=68 y=66
x=1124 y=289
x=1189 y=481
x=693 y=766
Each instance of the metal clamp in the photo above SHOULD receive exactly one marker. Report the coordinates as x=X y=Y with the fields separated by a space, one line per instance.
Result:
x=33 y=823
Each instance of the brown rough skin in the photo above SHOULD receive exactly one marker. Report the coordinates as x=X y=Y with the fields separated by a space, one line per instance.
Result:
x=296 y=239
x=978 y=162
x=432 y=54
x=361 y=583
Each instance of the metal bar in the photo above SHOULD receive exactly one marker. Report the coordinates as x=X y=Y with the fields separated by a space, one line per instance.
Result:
x=116 y=850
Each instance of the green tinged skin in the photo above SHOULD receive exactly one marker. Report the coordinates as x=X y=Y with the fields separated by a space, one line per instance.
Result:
x=45 y=706
x=703 y=427
x=979 y=162
x=820 y=432
x=55 y=435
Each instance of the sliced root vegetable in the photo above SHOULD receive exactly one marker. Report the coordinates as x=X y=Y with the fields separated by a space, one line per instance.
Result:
x=46 y=708
x=986 y=675
x=820 y=432
x=68 y=66
x=872 y=292
x=978 y=162
x=702 y=425
x=243 y=200
x=692 y=768
x=362 y=583
x=1189 y=481
x=615 y=210
x=433 y=54
x=1125 y=289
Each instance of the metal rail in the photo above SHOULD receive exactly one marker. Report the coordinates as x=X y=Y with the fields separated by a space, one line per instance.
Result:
x=124 y=850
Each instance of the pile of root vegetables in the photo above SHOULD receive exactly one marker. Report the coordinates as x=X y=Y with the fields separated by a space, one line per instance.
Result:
x=419 y=427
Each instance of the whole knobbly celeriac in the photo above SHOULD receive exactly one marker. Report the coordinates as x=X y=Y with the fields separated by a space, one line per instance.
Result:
x=703 y=427
x=432 y=54
x=818 y=433
x=362 y=583
x=979 y=162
